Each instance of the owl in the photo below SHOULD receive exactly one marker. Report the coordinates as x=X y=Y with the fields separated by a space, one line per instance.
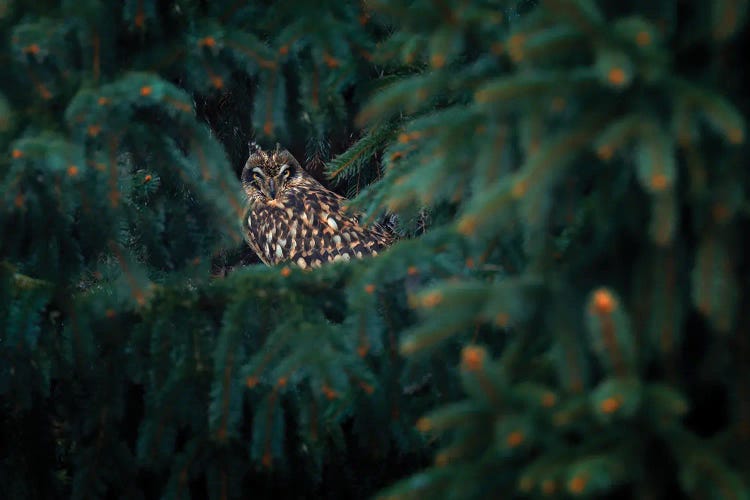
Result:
x=291 y=217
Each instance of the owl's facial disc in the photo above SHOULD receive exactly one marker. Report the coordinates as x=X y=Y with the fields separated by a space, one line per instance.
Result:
x=271 y=183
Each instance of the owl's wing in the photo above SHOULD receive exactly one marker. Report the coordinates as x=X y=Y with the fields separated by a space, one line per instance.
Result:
x=327 y=231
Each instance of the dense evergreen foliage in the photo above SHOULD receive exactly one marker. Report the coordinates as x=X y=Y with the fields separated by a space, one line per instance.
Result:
x=563 y=314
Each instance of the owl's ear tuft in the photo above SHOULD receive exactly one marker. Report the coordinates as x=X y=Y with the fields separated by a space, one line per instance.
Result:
x=254 y=160
x=286 y=157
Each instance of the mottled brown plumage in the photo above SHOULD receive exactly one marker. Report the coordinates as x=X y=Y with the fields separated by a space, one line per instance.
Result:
x=291 y=217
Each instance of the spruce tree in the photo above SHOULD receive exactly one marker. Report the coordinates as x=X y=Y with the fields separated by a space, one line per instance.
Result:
x=561 y=316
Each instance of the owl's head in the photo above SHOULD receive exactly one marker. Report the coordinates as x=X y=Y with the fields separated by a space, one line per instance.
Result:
x=267 y=174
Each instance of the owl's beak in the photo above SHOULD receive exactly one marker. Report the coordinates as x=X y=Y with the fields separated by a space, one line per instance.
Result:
x=272 y=188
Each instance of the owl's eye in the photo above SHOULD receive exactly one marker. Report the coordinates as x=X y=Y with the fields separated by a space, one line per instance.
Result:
x=258 y=176
x=285 y=171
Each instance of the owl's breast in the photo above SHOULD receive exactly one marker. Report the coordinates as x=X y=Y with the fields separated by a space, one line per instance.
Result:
x=269 y=227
